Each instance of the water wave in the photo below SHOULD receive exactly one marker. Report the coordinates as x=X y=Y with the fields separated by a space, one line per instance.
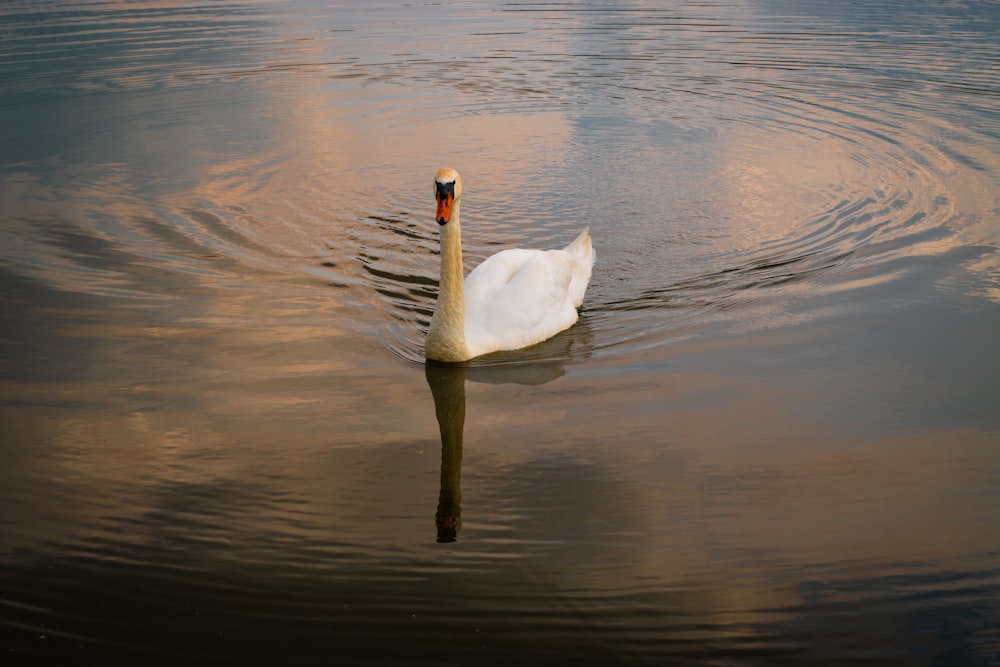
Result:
x=728 y=170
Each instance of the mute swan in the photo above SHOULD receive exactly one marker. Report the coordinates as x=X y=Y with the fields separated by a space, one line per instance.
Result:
x=512 y=300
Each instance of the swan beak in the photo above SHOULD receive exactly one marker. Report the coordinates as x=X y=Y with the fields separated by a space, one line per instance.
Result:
x=444 y=201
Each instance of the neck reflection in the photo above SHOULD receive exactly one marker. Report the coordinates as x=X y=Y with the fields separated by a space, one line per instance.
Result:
x=447 y=383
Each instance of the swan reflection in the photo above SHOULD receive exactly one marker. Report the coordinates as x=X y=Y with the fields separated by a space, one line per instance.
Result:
x=447 y=383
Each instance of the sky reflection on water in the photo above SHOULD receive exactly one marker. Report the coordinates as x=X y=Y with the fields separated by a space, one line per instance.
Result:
x=770 y=439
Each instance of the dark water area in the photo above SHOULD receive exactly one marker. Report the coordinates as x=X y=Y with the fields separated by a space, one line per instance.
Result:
x=773 y=437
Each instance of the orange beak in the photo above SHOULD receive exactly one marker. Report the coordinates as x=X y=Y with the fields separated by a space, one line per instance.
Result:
x=444 y=201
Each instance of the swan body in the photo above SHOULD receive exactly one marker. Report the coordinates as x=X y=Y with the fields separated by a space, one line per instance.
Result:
x=514 y=299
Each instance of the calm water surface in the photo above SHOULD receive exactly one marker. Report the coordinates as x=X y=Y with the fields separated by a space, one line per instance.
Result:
x=772 y=438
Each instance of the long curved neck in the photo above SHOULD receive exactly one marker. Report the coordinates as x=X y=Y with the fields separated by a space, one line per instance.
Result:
x=446 y=336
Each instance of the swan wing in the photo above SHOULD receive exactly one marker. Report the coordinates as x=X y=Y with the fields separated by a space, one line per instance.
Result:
x=519 y=297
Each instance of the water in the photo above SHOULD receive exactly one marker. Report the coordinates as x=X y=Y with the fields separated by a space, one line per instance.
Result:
x=772 y=438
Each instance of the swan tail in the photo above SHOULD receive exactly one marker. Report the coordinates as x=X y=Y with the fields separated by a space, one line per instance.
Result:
x=583 y=253
x=582 y=248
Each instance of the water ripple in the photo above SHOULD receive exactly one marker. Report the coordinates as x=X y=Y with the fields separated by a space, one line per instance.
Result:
x=824 y=155
x=218 y=246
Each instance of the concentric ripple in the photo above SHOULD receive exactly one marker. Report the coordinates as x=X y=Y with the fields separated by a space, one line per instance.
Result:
x=747 y=166
x=218 y=263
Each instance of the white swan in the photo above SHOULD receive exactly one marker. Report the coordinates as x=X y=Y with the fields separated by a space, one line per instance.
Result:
x=512 y=300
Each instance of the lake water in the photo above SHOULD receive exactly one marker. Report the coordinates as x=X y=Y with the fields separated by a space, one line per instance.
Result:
x=773 y=437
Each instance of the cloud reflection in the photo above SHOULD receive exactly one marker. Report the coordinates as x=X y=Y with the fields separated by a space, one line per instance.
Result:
x=222 y=397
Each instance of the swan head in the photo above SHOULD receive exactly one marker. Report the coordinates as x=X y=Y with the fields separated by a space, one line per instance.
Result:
x=447 y=192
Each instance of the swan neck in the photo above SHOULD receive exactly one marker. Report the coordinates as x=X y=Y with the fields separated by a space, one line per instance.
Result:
x=446 y=336
x=452 y=271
